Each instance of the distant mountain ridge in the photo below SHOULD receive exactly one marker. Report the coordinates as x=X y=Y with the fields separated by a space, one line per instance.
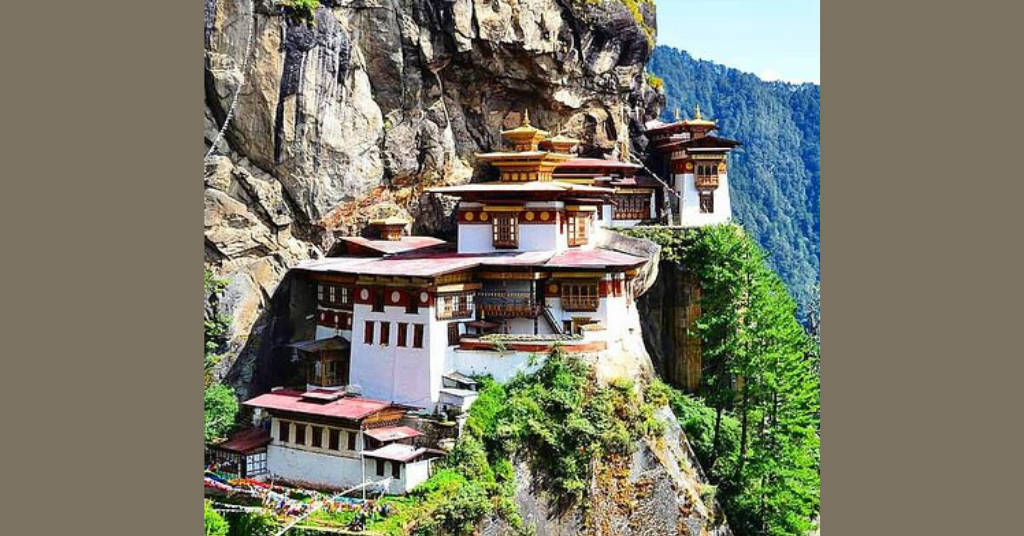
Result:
x=775 y=177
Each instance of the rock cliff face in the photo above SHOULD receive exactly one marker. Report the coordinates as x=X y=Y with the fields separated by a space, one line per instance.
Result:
x=659 y=490
x=348 y=112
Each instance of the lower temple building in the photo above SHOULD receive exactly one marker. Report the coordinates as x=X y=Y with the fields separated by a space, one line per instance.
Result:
x=327 y=438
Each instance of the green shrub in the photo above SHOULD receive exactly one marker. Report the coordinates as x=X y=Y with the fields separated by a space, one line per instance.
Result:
x=216 y=525
x=458 y=514
x=301 y=10
x=220 y=408
x=655 y=81
x=253 y=524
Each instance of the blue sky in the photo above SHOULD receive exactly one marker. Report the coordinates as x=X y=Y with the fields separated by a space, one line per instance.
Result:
x=774 y=39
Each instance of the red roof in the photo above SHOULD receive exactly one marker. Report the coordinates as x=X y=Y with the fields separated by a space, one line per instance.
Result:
x=246 y=441
x=430 y=264
x=407 y=243
x=396 y=452
x=349 y=408
x=592 y=258
x=587 y=163
x=393 y=433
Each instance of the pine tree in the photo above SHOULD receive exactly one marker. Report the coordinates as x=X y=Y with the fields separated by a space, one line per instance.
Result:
x=760 y=368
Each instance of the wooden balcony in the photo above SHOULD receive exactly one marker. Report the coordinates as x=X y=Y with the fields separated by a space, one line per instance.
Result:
x=454 y=314
x=527 y=309
x=710 y=181
x=580 y=303
x=507 y=304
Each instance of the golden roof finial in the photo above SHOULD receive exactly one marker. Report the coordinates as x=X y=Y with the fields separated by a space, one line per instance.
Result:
x=526 y=117
x=696 y=113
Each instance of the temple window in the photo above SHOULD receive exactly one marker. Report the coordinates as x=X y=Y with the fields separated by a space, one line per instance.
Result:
x=707 y=202
x=579 y=225
x=368 y=333
x=403 y=330
x=351 y=441
x=318 y=437
x=417 y=336
x=284 y=431
x=505 y=227
x=580 y=297
x=385 y=333
x=457 y=305
x=378 y=300
x=380 y=467
x=453 y=334
x=333 y=296
x=300 y=434
x=632 y=207
x=707 y=175
x=334 y=439
x=396 y=470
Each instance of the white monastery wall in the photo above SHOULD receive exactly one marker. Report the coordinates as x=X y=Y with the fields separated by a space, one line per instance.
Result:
x=689 y=206
x=503 y=366
x=308 y=466
x=410 y=474
x=389 y=372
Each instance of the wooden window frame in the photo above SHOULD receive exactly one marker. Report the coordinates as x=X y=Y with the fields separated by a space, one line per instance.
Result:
x=333 y=296
x=368 y=332
x=333 y=439
x=579 y=228
x=403 y=335
x=255 y=464
x=456 y=305
x=396 y=470
x=505 y=230
x=317 y=439
x=380 y=467
x=417 y=335
x=284 y=428
x=300 y=434
x=351 y=443
x=707 y=202
x=385 y=333
x=578 y=296
x=632 y=206
x=378 y=300
x=453 y=334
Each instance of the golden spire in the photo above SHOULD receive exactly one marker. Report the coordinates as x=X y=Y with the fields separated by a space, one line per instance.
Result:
x=526 y=117
x=696 y=113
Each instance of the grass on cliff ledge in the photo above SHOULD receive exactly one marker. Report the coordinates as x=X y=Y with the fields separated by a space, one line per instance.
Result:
x=557 y=418
x=638 y=15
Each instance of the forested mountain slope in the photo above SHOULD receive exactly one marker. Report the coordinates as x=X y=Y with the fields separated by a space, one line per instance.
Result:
x=776 y=174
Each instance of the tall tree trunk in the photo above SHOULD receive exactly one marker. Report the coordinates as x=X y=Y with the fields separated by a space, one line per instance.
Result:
x=743 y=433
x=714 y=441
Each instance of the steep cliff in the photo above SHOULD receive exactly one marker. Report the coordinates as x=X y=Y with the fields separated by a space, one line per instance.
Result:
x=349 y=110
x=659 y=489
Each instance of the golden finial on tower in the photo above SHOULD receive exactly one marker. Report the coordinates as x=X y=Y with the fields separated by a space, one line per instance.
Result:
x=696 y=113
x=526 y=117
